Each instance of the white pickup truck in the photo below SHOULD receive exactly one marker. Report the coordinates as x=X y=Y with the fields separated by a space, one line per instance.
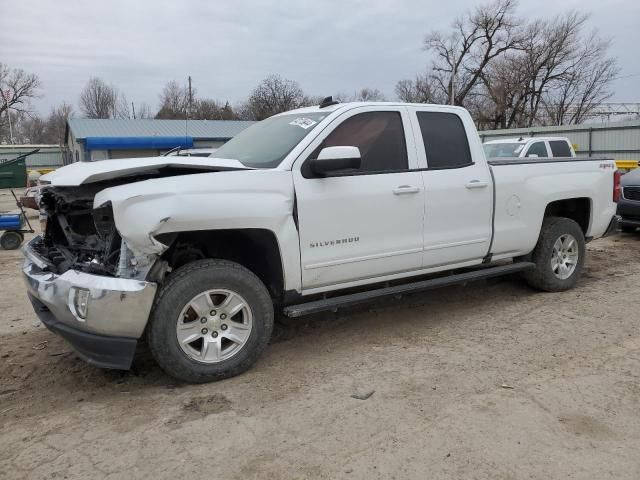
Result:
x=532 y=147
x=313 y=209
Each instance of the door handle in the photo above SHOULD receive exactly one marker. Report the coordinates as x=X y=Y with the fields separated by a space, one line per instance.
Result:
x=404 y=189
x=476 y=184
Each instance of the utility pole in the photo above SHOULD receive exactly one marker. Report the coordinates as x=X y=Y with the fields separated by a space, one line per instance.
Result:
x=453 y=81
x=190 y=99
x=133 y=109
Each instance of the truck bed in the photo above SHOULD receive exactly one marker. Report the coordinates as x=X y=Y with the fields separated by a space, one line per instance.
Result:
x=525 y=187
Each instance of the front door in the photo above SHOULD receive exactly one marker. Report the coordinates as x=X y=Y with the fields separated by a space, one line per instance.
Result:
x=362 y=224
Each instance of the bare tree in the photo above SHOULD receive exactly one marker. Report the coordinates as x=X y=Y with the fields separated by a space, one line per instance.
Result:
x=227 y=113
x=121 y=106
x=584 y=86
x=550 y=51
x=31 y=128
x=419 y=90
x=17 y=89
x=98 y=99
x=174 y=101
x=365 y=94
x=478 y=38
x=143 y=111
x=273 y=95
x=504 y=97
x=558 y=75
x=206 y=109
x=57 y=123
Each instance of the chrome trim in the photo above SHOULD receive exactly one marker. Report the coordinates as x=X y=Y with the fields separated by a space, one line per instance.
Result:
x=34 y=256
x=117 y=306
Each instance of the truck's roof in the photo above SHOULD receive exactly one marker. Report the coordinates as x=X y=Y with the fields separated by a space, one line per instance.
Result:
x=523 y=140
x=350 y=105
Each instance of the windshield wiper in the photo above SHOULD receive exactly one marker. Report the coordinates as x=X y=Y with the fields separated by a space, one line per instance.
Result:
x=176 y=149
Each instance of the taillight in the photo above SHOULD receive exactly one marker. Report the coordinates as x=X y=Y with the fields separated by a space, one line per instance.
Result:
x=616 y=186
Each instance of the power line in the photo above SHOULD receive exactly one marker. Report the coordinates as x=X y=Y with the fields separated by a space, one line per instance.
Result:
x=626 y=76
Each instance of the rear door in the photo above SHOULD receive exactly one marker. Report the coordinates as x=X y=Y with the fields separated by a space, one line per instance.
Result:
x=538 y=149
x=458 y=191
x=362 y=224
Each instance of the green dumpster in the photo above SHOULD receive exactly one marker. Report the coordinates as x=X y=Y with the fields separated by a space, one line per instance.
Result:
x=13 y=173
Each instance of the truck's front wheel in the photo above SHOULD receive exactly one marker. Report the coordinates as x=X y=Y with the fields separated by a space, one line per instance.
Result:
x=211 y=320
x=559 y=255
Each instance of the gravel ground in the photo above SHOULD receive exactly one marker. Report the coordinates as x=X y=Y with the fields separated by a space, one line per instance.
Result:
x=490 y=381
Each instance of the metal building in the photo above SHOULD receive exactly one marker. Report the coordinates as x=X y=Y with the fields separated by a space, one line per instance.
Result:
x=98 y=139
x=618 y=140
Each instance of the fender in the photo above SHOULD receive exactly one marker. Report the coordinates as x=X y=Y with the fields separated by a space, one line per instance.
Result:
x=208 y=201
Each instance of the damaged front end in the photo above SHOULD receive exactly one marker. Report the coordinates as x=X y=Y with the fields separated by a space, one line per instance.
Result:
x=78 y=236
x=82 y=238
x=83 y=280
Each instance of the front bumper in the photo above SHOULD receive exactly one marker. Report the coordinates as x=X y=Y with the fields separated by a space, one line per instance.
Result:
x=117 y=309
x=629 y=210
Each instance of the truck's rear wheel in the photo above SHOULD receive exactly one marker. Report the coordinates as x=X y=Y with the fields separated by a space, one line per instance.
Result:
x=558 y=255
x=211 y=320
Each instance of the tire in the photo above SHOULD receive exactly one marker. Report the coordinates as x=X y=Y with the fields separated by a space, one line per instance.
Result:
x=628 y=228
x=544 y=276
x=11 y=240
x=171 y=326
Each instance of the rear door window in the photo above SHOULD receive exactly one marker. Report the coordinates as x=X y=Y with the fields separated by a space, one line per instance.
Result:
x=445 y=140
x=560 y=148
x=539 y=149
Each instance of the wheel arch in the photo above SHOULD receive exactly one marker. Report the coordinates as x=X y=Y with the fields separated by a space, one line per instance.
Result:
x=578 y=209
x=256 y=249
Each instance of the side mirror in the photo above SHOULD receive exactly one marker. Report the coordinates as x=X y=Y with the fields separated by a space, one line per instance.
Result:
x=332 y=159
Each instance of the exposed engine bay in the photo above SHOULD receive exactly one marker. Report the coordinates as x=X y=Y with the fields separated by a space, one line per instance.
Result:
x=82 y=238
x=79 y=236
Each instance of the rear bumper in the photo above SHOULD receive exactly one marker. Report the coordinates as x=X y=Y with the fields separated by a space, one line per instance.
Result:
x=116 y=314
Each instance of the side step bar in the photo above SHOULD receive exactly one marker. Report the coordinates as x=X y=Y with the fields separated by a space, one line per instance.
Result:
x=363 y=297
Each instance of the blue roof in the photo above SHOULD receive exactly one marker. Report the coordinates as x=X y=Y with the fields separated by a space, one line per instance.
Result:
x=125 y=143
x=81 y=128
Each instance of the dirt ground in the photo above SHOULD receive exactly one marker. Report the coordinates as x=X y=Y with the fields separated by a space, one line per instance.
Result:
x=489 y=381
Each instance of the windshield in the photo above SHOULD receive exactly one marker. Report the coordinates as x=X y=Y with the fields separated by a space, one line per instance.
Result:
x=266 y=143
x=501 y=150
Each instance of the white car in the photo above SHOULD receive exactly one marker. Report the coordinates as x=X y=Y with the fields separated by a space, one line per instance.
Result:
x=313 y=209
x=532 y=147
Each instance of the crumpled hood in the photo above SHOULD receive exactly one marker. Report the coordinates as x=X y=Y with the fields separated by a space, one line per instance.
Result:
x=90 y=172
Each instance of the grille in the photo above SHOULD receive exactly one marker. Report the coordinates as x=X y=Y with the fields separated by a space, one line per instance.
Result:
x=632 y=193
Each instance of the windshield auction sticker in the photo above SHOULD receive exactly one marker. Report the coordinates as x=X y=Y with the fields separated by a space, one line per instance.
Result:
x=303 y=122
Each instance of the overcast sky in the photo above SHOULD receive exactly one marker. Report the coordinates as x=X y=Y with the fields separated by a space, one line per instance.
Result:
x=229 y=46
